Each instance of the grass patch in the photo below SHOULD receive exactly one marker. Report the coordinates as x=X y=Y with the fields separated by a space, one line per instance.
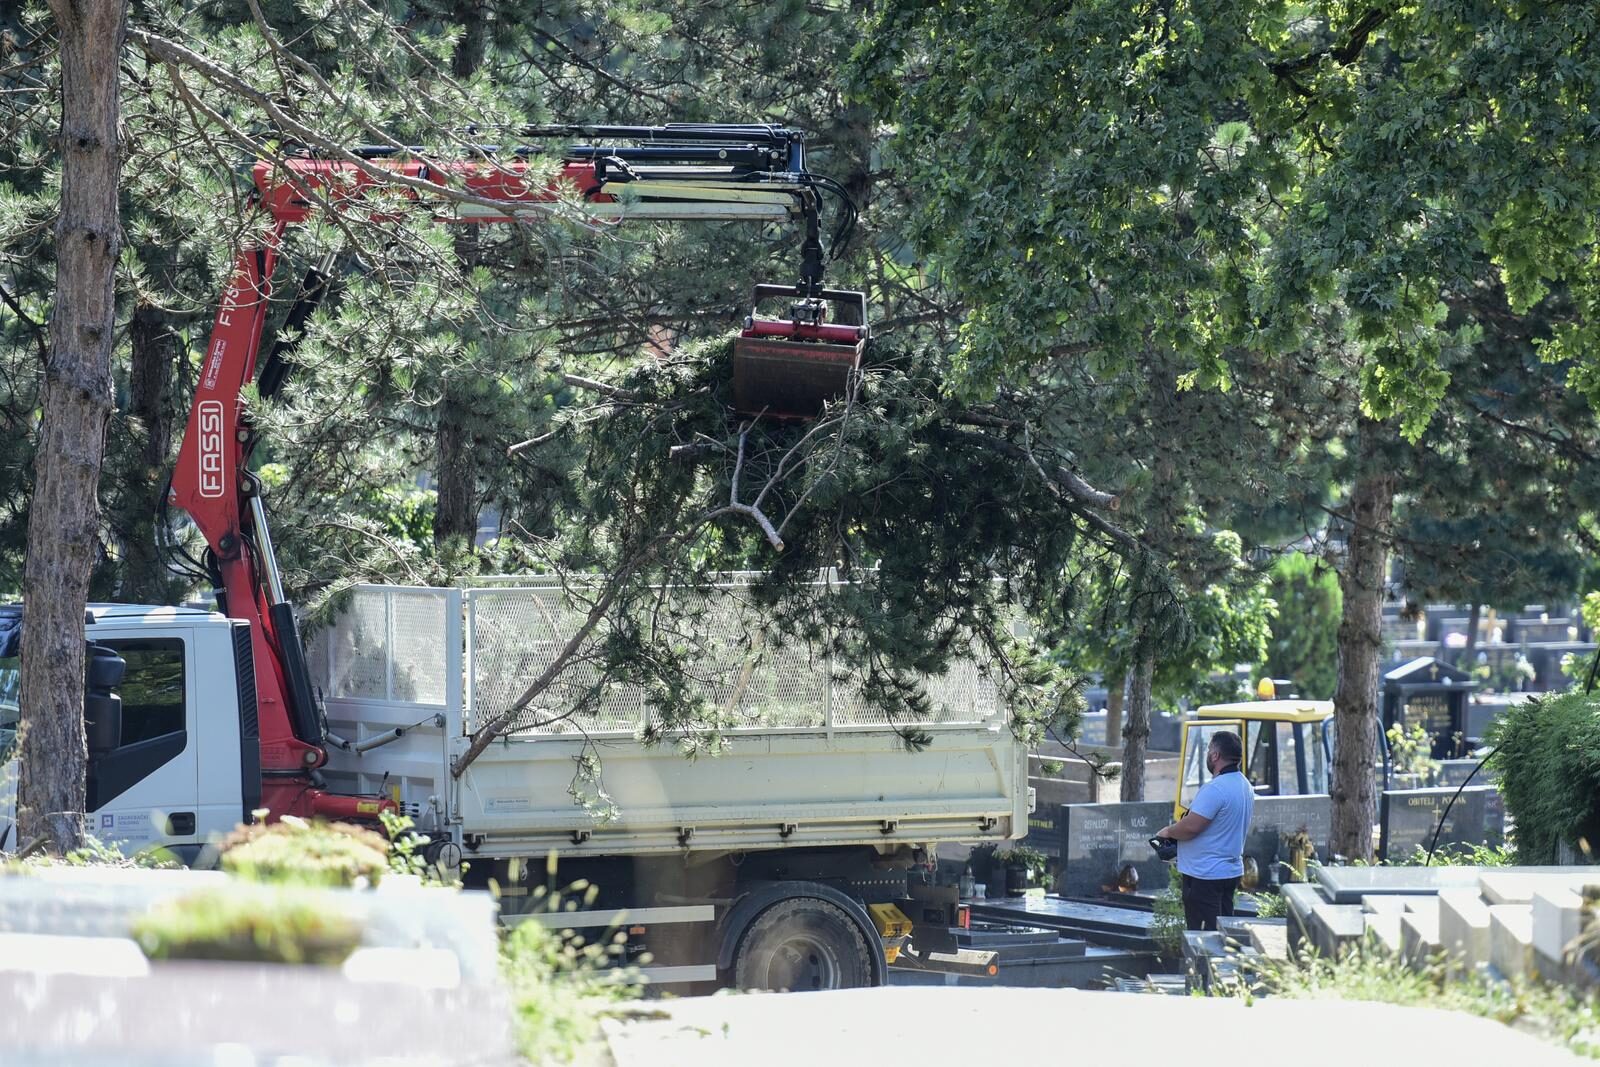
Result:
x=255 y=924
x=308 y=853
x=562 y=987
x=1562 y=1016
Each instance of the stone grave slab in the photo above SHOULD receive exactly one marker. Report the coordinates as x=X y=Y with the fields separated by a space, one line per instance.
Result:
x=1408 y=819
x=1419 y=938
x=1347 y=885
x=104 y=901
x=1428 y=906
x=1238 y=969
x=1383 y=928
x=1274 y=821
x=1511 y=939
x=1516 y=885
x=1336 y=926
x=92 y=957
x=1463 y=929
x=1454 y=772
x=1300 y=897
x=1270 y=938
x=1383 y=904
x=1099 y=841
x=1557 y=921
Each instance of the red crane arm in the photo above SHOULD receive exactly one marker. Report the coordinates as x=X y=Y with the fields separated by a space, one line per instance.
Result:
x=682 y=172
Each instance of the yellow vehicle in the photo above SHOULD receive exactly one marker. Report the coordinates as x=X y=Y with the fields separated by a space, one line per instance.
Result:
x=1288 y=747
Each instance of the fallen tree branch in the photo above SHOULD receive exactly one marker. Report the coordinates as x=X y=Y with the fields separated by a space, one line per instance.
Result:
x=751 y=510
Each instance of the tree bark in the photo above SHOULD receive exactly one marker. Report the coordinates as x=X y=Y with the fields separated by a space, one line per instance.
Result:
x=63 y=517
x=1116 y=693
x=152 y=354
x=1355 y=697
x=1136 y=733
x=455 y=516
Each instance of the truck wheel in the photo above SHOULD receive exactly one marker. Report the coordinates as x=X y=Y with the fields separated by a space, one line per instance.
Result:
x=802 y=943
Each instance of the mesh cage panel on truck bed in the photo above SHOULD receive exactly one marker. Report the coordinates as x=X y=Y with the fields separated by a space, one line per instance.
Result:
x=754 y=683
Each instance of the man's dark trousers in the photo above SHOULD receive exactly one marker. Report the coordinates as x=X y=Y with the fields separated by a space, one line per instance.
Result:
x=1204 y=899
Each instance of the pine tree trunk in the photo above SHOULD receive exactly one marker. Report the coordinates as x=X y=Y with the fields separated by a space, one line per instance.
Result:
x=1116 y=694
x=455 y=517
x=1136 y=734
x=62 y=517
x=1355 y=697
x=153 y=353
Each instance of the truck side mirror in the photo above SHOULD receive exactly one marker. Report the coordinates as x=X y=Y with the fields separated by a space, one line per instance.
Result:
x=102 y=708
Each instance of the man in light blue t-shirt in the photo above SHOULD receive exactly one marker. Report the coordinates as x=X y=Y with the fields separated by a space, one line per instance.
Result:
x=1211 y=836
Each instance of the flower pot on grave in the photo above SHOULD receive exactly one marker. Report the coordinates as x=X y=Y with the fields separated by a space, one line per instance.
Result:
x=1016 y=879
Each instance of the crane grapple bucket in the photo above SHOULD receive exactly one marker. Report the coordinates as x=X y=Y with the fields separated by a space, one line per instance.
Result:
x=789 y=368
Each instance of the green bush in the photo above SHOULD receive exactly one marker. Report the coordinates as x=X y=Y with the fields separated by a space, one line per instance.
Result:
x=1548 y=763
x=1305 y=634
x=247 y=923
x=1169 y=924
x=309 y=853
x=562 y=985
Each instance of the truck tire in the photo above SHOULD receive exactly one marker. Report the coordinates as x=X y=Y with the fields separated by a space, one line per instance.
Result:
x=800 y=944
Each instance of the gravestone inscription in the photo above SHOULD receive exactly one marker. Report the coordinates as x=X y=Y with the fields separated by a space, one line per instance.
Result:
x=1280 y=830
x=1102 y=842
x=1408 y=819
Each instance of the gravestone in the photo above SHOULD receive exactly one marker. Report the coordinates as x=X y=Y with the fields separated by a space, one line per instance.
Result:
x=1090 y=845
x=1408 y=819
x=1455 y=772
x=1274 y=822
x=1047 y=832
x=1100 y=840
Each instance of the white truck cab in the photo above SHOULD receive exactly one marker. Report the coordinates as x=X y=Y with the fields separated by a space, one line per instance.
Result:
x=170 y=767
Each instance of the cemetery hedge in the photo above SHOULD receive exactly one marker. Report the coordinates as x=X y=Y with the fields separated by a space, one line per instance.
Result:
x=1547 y=758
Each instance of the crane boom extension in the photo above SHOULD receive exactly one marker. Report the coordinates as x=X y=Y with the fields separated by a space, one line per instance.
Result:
x=620 y=173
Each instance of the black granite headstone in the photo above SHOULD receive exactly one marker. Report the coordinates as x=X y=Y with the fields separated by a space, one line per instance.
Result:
x=1408 y=819
x=1102 y=839
x=1274 y=824
x=1099 y=841
x=1047 y=833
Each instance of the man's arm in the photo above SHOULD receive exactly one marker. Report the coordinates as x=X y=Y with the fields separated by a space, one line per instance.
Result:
x=1185 y=829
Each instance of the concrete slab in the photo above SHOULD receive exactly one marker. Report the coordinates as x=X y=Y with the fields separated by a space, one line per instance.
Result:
x=1271 y=939
x=228 y=1013
x=1334 y=927
x=1347 y=885
x=1300 y=897
x=1428 y=906
x=104 y=901
x=1419 y=938
x=1511 y=939
x=1557 y=921
x=1383 y=929
x=958 y=1027
x=95 y=957
x=1385 y=904
x=1463 y=929
x=1516 y=885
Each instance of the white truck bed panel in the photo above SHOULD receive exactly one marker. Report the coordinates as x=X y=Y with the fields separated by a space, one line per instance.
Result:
x=857 y=787
x=814 y=766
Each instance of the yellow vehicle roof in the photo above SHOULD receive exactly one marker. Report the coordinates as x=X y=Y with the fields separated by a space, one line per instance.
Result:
x=1271 y=710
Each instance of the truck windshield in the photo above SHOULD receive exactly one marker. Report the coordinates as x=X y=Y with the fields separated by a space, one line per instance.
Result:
x=10 y=708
